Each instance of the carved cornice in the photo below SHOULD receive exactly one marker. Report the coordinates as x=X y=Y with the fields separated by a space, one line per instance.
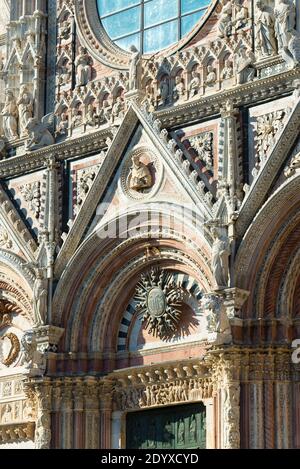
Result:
x=82 y=145
x=249 y=93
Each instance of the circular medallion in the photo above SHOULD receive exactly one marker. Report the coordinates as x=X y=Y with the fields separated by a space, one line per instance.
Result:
x=156 y=302
x=141 y=174
x=9 y=349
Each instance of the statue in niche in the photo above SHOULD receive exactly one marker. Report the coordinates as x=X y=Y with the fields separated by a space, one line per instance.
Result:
x=194 y=84
x=83 y=64
x=211 y=75
x=29 y=348
x=62 y=128
x=244 y=68
x=40 y=135
x=164 y=90
x=241 y=16
x=65 y=30
x=227 y=71
x=7 y=414
x=285 y=15
x=118 y=109
x=90 y=118
x=181 y=432
x=265 y=40
x=133 y=68
x=225 y=22
x=179 y=88
x=10 y=116
x=140 y=176
x=40 y=298
x=25 y=106
x=220 y=258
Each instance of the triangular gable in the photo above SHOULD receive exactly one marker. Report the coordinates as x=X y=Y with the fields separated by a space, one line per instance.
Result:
x=172 y=159
x=18 y=233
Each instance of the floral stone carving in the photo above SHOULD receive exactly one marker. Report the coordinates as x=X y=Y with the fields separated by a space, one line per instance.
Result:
x=159 y=300
x=203 y=144
x=266 y=128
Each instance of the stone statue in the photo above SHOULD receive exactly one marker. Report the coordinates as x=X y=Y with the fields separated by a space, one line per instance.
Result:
x=211 y=305
x=2 y=148
x=220 y=258
x=140 y=176
x=265 y=41
x=227 y=71
x=118 y=109
x=241 y=16
x=244 y=68
x=10 y=116
x=83 y=64
x=194 y=84
x=285 y=15
x=216 y=317
x=25 y=106
x=133 y=68
x=29 y=348
x=90 y=118
x=211 y=75
x=292 y=55
x=164 y=90
x=43 y=432
x=179 y=88
x=40 y=135
x=40 y=298
x=225 y=21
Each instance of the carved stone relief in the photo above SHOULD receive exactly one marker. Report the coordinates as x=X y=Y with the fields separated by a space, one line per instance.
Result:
x=141 y=174
x=159 y=301
x=266 y=128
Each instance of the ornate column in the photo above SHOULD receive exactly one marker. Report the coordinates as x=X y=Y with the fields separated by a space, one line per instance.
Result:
x=105 y=413
x=117 y=429
x=282 y=400
x=92 y=414
x=256 y=401
x=42 y=392
x=78 y=399
x=229 y=369
x=67 y=415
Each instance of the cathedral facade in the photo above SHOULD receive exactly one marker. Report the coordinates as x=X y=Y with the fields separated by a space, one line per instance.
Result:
x=149 y=224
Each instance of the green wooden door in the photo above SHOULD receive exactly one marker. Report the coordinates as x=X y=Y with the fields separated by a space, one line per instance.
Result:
x=178 y=427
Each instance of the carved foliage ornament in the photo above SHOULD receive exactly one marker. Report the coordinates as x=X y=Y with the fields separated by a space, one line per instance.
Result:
x=203 y=144
x=9 y=349
x=159 y=300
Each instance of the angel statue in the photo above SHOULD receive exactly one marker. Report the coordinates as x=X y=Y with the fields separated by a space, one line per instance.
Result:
x=220 y=258
x=40 y=135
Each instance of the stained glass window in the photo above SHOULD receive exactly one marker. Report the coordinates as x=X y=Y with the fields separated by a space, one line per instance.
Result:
x=150 y=25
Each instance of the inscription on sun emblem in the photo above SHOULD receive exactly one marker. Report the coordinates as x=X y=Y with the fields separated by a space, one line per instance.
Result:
x=159 y=300
x=156 y=302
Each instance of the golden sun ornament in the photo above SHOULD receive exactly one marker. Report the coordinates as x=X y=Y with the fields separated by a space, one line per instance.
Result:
x=159 y=300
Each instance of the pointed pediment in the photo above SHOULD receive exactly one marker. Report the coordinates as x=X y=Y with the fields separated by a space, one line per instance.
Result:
x=14 y=234
x=139 y=134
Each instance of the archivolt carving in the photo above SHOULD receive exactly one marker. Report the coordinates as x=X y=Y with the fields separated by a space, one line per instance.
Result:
x=287 y=288
x=271 y=210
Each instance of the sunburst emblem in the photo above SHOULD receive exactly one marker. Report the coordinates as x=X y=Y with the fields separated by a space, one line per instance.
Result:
x=159 y=300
